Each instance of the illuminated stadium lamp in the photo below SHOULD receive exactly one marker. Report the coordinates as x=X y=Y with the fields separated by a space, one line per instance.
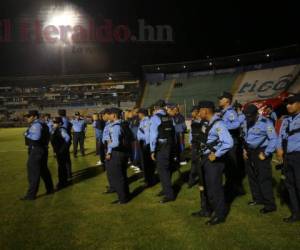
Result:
x=210 y=63
x=110 y=78
x=158 y=68
x=268 y=55
x=65 y=18
x=184 y=66
x=62 y=18
x=238 y=60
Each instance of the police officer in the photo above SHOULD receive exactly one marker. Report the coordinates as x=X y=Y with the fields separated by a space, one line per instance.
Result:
x=116 y=161
x=134 y=125
x=105 y=141
x=235 y=169
x=218 y=143
x=79 y=127
x=143 y=136
x=195 y=133
x=68 y=126
x=259 y=144
x=180 y=129
x=60 y=141
x=37 y=139
x=288 y=149
x=198 y=138
x=162 y=137
x=98 y=125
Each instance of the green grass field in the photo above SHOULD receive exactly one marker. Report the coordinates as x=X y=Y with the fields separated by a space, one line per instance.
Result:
x=81 y=217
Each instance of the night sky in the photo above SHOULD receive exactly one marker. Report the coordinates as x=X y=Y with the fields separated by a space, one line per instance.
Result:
x=208 y=28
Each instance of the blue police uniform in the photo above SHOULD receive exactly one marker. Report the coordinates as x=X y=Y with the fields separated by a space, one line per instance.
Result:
x=49 y=123
x=289 y=141
x=79 y=126
x=234 y=163
x=98 y=131
x=147 y=164
x=105 y=136
x=221 y=142
x=162 y=137
x=143 y=133
x=230 y=118
x=261 y=137
x=60 y=140
x=117 y=165
x=273 y=117
x=35 y=138
x=66 y=123
x=241 y=118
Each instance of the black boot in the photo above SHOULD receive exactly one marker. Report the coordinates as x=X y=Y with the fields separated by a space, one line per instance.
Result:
x=293 y=218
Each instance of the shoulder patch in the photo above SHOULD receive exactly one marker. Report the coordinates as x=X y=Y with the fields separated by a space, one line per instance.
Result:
x=231 y=116
x=270 y=129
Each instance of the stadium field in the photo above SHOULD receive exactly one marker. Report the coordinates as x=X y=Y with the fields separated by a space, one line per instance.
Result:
x=81 y=217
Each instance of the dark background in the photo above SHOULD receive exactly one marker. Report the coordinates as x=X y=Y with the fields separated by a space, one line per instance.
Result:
x=200 y=29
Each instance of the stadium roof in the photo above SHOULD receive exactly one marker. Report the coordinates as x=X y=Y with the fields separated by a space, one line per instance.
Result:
x=66 y=79
x=265 y=56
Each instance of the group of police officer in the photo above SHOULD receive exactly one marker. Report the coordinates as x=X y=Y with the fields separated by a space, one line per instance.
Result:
x=229 y=141
x=59 y=131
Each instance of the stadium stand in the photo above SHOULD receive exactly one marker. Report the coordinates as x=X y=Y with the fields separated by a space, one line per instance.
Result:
x=155 y=91
x=194 y=89
x=86 y=96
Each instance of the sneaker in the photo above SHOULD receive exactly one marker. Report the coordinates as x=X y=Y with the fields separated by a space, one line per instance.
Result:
x=183 y=163
x=99 y=163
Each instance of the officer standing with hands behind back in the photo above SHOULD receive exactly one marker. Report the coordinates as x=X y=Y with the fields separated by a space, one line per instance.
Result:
x=259 y=144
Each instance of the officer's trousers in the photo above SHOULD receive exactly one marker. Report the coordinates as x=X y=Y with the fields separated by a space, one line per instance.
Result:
x=194 y=165
x=116 y=169
x=100 y=149
x=147 y=163
x=213 y=172
x=37 y=167
x=260 y=178
x=164 y=167
x=234 y=168
x=204 y=201
x=78 y=137
x=62 y=159
x=292 y=180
